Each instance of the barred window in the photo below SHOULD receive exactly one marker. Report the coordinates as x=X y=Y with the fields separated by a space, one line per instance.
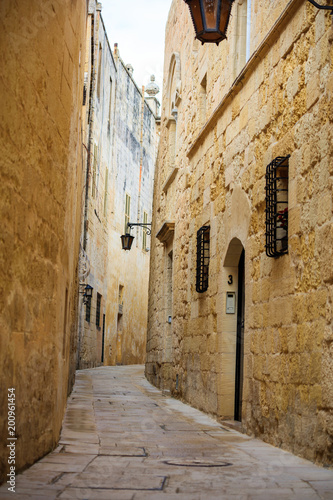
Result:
x=277 y=207
x=98 y=310
x=203 y=244
x=88 y=309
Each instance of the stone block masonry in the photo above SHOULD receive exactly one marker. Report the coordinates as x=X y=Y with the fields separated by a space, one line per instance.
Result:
x=277 y=103
x=41 y=184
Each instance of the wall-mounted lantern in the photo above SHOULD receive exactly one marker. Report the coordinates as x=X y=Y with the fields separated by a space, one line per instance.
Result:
x=86 y=291
x=210 y=19
x=127 y=239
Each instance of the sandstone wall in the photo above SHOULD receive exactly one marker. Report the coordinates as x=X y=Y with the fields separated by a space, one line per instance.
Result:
x=128 y=274
x=41 y=179
x=233 y=120
x=99 y=109
x=120 y=150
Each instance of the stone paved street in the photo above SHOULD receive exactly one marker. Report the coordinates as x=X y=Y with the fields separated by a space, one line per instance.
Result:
x=123 y=439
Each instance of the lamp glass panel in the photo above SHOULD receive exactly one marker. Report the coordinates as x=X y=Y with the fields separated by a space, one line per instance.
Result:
x=225 y=13
x=210 y=9
x=194 y=6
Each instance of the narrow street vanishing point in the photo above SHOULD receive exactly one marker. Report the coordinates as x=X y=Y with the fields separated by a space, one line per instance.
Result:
x=124 y=439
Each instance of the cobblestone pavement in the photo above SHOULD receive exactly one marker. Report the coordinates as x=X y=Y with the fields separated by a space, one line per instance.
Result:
x=123 y=439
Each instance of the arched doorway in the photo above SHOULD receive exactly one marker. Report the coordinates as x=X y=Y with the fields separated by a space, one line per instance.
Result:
x=232 y=331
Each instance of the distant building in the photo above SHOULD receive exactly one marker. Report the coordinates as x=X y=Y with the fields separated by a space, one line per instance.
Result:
x=120 y=149
x=241 y=280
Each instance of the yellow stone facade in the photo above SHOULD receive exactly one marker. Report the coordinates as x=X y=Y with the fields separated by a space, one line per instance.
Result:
x=41 y=182
x=120 y=137
x=228 y=111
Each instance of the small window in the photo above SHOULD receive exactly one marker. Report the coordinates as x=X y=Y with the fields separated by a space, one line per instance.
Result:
x=203 y=243
x=88 y=309
x=127 y=211
x=277 y=207
x=121 y=299
x=144 y=234
x=98 y=310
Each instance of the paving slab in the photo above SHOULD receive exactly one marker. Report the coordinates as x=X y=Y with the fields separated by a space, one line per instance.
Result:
x=123 y=439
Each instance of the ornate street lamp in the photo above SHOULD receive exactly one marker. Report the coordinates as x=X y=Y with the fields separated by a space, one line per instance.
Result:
x=210 y=19
x=127 y=239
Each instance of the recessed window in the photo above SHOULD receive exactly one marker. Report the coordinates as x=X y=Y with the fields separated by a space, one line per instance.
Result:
x=98 y=310
x=88 y=309
x=121 y=299
x=203 y=244
x=277 y=207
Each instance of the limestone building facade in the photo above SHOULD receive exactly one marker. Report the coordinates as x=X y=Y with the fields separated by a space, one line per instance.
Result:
x=41 y=176
x=120 y=148
x=233 y=330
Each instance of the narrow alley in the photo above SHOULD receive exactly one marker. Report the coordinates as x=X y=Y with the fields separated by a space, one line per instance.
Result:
x=123 y=439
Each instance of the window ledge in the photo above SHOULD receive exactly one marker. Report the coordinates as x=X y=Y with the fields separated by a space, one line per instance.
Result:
x=166 y=231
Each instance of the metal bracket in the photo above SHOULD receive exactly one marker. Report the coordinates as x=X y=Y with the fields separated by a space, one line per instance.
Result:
x=322 y=7
x=148 y=229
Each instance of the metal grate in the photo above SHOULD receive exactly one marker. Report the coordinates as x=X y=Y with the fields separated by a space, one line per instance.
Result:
x=277 y=207
x=203 y=243
x=88 y=309
x=98 y=310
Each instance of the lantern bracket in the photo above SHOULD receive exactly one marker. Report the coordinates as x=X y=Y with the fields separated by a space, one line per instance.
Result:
x=145 y=226
x=322 y=7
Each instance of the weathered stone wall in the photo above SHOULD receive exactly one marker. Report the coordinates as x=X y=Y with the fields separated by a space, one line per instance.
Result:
x=134 y=159
x=41 y=180
x=232 y=122
x=120 y=150
x=99 y=109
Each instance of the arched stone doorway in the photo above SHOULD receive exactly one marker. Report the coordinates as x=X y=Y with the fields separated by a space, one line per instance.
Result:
x=232 y=331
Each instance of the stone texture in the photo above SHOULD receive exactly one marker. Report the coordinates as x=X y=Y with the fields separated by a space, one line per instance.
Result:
x=187 y=454
x=278 y=104
x=40 y=203
x=119 y=154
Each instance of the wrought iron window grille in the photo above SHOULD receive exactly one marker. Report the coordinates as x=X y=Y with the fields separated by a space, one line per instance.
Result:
x=277 y=207
x=203 y=244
